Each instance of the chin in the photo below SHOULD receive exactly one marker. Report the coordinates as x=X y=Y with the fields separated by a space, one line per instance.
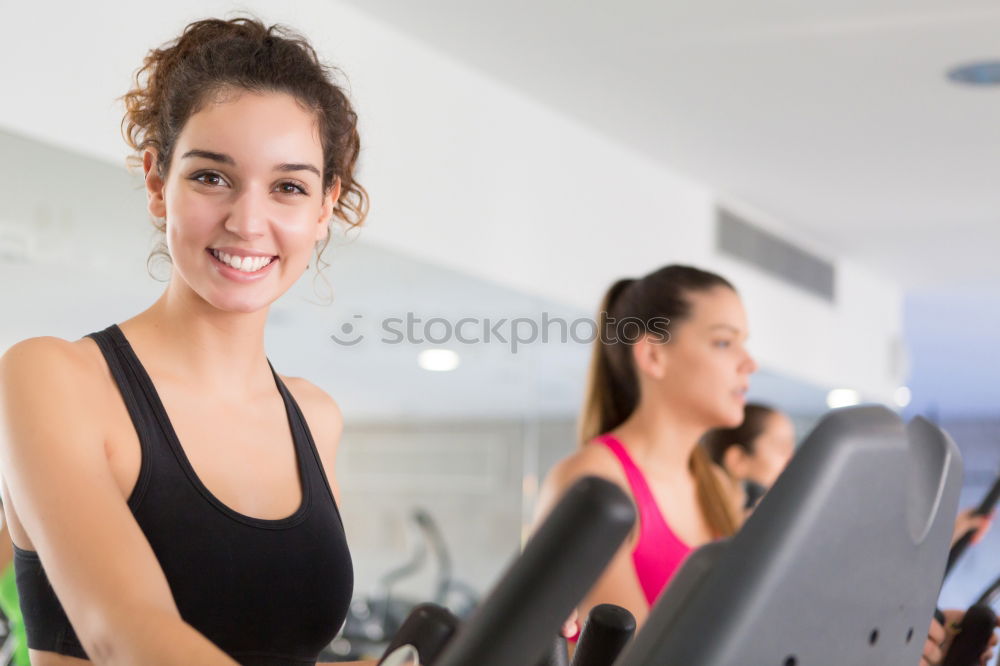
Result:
x=731 y=418
x=242 y=306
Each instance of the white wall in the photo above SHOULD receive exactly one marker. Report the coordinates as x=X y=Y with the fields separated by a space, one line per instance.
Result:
x=478 y=177
x=453 y=470
x=470 y=174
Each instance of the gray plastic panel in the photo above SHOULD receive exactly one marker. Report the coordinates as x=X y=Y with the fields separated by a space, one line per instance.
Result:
x=841 y=562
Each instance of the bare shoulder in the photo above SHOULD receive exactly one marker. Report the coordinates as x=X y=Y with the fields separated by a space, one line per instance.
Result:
x=322 y=414
x=41 y=361
x=588 y=460
x=52 y=407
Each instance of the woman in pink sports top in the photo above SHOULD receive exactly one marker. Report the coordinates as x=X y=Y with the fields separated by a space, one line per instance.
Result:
x=669 y=365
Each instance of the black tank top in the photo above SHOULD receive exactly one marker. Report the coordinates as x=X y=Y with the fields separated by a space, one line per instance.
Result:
x=267 y=592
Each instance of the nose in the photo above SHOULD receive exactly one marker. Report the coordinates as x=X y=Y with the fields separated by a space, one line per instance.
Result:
x=248 y=215
x=749 y=365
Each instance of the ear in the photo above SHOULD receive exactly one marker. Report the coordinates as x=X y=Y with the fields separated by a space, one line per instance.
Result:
x=329 y=201
x=155 y=202
x=736 y=461
x=650 y=357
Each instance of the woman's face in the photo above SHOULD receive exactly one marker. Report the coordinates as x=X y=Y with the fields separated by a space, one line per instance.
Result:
x=772 y=450
x=245 y=181
x=707 y=368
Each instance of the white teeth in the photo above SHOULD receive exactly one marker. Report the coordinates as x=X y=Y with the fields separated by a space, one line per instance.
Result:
x=243 y=264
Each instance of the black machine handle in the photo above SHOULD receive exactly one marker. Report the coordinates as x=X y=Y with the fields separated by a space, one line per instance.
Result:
x=519 y=618
x=985 y=508
x=608 y=629
x=973 y=636
x=428 y=628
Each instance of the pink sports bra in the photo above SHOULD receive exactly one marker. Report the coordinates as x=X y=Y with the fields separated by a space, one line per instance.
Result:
x=658 y=553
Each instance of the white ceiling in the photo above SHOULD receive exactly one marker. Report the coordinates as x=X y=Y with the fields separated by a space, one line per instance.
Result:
x=834 y=117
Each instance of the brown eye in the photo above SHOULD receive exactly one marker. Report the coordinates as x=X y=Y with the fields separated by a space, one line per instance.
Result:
x=292 y=188
x=207 y=178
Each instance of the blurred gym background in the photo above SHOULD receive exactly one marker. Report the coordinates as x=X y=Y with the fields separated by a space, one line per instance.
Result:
x=831 y=159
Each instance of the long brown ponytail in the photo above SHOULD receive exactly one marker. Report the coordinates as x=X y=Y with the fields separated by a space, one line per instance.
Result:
x=612 y=392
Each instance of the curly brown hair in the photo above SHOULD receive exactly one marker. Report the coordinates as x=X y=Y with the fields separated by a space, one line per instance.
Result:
x=214 y=56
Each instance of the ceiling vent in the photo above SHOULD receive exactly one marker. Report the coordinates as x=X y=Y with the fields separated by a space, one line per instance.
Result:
x=738 y=238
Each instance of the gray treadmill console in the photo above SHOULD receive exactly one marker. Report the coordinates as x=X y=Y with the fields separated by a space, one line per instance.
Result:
x=841 y=563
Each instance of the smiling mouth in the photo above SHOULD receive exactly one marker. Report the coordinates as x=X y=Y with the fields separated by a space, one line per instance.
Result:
x=242 y=264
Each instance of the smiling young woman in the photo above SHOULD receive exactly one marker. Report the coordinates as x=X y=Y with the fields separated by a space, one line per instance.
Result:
x=171 y=498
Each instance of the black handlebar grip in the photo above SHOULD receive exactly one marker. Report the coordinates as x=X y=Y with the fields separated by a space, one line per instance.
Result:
x=520 y=616
x=973 y=636
x=428 y=628
x=608 y=629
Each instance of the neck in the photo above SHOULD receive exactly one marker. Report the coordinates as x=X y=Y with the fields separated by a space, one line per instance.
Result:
x=662 y=438
x=187 y=339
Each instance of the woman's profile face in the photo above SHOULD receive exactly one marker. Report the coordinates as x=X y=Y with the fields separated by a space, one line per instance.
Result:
x=245 y=188
x=708 y=367
x=772 y=450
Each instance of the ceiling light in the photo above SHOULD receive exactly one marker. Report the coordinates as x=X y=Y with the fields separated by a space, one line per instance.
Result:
x=842 y=398
x=438 y=360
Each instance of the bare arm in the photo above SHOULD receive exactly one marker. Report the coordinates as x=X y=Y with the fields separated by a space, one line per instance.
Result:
x=966 y=521
x=618 y=584
x=6 y=550
x=65 y=498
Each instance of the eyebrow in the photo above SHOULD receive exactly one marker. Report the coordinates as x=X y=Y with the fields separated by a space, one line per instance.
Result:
x=226 y=159
x=725 y=326
x=298 y=167
x=208 y=155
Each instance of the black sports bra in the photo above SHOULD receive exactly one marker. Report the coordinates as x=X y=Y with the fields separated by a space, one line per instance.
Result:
x=267 y=592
